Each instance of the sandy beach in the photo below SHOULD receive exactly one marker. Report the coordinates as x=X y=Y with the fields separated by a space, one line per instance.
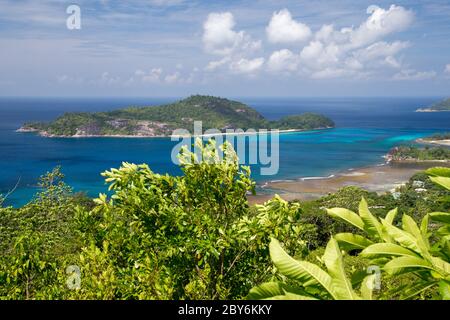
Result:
x=378 y=179
x=445 y=143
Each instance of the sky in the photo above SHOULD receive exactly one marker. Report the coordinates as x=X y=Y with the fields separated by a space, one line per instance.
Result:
x=251 y=48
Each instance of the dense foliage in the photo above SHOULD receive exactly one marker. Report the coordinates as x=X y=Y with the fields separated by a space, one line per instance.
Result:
x=418 y=252
x=419 y=154
x=215 y=113
x=194 y=236
x=439 y=136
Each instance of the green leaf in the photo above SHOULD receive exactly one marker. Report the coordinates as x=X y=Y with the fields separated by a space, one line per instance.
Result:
x=348 y=216
x=398 y=265
x=335 y=265
x=276 y=291
x=404 y=238
x=391 y=216
x=302 y=271
x=444 y=289
x=439 y=172
x=445 y=182
x=350 y=241
x=371 y=224
x=440 y=217
x=387 y=249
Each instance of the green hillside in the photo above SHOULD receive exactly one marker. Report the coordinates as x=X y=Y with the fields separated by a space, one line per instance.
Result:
x=443 y=105
x=217 y=113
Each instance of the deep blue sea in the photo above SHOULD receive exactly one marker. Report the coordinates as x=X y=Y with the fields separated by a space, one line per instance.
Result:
x=366 y=128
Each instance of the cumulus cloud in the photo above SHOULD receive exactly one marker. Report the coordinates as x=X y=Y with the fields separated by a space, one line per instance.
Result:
x=247 y=66
x=235 y=47
x=380 y=23
x=284 y=29
x=357 y=52
x=219 y=36
x=283 y=60
x=411 y=74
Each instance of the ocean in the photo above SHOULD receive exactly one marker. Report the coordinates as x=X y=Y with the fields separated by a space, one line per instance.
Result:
x=366 y=128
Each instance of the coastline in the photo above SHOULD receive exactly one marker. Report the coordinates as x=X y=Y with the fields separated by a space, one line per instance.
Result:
x=445 y=143
x=379 y=178
x=267 y=131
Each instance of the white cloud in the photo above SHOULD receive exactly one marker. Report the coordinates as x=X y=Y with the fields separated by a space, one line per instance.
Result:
x=381 y=23
x=318 y=55
x=219 y=36
x=173 y=78
x=247 y=66
x=358 y=51
x=283 y=29
x=380 y=50
x=447 y=68
x=213 y=65
x=329 y=73
x=411 y=74
x=153 y=76
x=283 y=60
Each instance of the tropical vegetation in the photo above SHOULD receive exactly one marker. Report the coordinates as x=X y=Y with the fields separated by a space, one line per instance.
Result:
x=216 y=113
x=195 y=236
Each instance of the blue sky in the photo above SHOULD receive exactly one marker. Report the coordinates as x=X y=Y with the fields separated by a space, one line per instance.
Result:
x=228 y=48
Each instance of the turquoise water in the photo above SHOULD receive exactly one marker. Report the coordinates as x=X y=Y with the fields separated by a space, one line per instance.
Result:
x=366 y=129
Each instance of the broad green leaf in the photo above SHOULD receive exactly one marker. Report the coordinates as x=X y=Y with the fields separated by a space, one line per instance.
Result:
x=445 y=182
x=402 y=237
x=441 y=266
x=391 y=216
x=350 y=241
x=348 y=216
x=276 y=291
x=439 y=172
x=335 y=265
x=300 y=270
x=387 y=249
x=266 y=291
x=371 y=224
x=440 y=217
x=398 y=265
x=410 y=226
x=444 y=289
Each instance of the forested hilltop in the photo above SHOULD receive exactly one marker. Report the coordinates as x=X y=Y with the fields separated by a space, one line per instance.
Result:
x=156 y=121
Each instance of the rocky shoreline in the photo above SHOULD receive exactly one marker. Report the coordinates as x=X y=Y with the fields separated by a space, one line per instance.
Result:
x=378 y=178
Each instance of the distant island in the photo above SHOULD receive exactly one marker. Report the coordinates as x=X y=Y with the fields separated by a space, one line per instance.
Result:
x=437 y=107
x=161 y=121
x=442 y=139
x=415 y=154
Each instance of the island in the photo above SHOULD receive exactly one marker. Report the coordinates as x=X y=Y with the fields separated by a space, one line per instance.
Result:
x=442 y=139
x=161 y=121
x=416 y=154
x=441 y=106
